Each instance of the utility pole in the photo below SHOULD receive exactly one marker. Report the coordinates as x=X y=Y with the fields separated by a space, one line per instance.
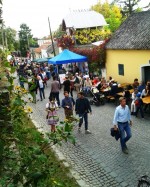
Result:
x=51 y=37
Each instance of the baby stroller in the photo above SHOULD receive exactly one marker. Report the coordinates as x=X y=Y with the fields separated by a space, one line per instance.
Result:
x=98 y=98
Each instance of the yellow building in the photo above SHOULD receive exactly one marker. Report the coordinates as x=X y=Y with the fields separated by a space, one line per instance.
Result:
x=128 y=51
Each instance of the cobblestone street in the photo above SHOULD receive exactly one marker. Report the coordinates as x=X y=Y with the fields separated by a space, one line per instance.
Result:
x=97 y=157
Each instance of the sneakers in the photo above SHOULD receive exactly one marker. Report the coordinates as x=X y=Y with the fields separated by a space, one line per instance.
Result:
x=87 y=132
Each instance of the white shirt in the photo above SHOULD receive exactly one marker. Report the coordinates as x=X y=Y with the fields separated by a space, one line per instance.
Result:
x=121 y=114
x=44 y=75
x=41 y=85
x=50 y=105
x=144 y=93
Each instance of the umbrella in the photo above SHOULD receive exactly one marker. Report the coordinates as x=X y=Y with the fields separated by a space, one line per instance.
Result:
x=66 y=57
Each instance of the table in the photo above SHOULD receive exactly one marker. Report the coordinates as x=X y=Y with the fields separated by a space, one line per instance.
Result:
x=121 y=93
x=105 y=90
x=146 y=100
x=123 y=85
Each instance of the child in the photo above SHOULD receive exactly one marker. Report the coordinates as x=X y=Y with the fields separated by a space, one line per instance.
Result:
x=139 y=103
x=133 y=105
x=52 y=117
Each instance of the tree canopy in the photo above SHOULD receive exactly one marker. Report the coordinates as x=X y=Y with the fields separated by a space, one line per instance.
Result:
x=111 y=13
x=26 y=39
x=129 y=6
x=9 y=36
x=24 y=36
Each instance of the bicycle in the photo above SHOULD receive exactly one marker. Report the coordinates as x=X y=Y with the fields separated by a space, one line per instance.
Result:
x=144 y=181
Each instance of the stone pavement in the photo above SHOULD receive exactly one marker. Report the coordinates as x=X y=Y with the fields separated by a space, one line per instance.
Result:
x=97 y=157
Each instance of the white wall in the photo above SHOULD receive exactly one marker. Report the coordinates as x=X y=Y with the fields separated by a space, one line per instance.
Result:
x=44 y=53
x=41 y=42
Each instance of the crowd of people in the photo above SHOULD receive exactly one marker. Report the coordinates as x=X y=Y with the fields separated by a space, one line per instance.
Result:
x=76 y=86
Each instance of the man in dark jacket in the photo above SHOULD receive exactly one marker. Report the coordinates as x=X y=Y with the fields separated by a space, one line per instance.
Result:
x=66 y=84
x=68 y=105
x=82 y=108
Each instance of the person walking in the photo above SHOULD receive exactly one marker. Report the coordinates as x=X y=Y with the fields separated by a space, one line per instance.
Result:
x=68 y=105
x=52 y=117
x=122 y=119
x=71 y=86
x=77 y=82
x=40 y=86
x=66 y=84
x=82 y=108
x=55 y=87
x=43 y=76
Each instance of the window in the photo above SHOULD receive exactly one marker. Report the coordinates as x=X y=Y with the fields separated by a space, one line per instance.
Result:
x=121 y=69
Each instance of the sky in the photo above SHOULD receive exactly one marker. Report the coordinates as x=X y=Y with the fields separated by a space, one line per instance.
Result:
x=35 y=13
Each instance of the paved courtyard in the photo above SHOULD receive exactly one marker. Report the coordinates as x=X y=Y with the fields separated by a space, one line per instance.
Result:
x=97 y=157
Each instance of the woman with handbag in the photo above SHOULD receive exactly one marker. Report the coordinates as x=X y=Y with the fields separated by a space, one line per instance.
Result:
x=43 y=77
x=52 y=117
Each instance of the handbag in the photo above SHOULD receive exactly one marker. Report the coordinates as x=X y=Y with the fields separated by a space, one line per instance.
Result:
x=137 y=103
x=115 y=133
x=45 y=79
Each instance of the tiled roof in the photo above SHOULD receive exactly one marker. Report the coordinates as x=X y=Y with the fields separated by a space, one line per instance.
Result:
x=44 y=46
x=37 y=50
x=134 y=33
x=84 y=19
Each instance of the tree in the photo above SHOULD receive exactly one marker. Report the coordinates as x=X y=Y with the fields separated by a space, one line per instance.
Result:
x=25 y=37
x=128 y=6
x=96 y=56
x=9 y=37
x=58 y=33
x=66 y=42
x=111 y=13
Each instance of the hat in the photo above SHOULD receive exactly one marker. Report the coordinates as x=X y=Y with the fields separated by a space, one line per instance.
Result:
x=138 y=95
x=76 y=73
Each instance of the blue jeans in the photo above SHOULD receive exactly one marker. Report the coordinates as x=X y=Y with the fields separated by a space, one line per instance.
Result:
x=48 y=74
x=124 y=128
x=41 y=90
x=85 y=116
x=86 y=90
